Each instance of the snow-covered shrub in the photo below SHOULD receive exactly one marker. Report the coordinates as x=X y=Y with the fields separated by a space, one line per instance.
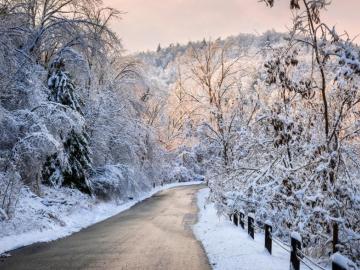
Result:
x=185 y=166
x=10 y=184
x=181 y=174
x=118 y=182
x=191 y=160
x=10 y=130
x=29 y=155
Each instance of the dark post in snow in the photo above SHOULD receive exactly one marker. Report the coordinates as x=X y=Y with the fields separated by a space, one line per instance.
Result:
x=235 y=219
x=335 y=237
x=268 y=239
x=251 y=225
x=230 y=217
x=295 y=247
x=336 y=266
x=241 y=220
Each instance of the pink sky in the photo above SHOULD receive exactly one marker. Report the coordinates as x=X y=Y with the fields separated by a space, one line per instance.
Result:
x=150 y=22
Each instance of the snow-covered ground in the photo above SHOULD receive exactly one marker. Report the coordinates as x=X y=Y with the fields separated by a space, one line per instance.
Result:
x=230 y=247
x=41 y=219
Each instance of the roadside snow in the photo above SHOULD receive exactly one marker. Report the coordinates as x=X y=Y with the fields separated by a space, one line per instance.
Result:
x=41 y=219
x=230 y=247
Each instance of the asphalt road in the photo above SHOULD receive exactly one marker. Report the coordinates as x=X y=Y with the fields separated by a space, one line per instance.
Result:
x=154 y=234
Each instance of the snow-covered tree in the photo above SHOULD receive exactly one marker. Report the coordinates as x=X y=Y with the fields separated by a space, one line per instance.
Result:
x=72 y=166
x=208 y=93
x=62 y=87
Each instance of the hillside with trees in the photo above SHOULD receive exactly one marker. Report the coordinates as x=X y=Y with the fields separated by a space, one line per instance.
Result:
x=72 y=116
x=273 y=122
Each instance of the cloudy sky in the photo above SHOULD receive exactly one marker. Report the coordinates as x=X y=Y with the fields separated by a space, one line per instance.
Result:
x=150 y=22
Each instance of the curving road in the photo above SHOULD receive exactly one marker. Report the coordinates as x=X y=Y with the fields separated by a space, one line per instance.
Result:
x=154 y=234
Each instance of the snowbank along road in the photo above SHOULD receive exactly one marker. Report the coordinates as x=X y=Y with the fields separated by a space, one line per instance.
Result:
x=154 y=234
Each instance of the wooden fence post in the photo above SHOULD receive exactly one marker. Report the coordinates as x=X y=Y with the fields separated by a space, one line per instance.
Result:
x=242 y=223
x=336 y=266
x=236 y=219
x=295 y=246
x=268 y=237
x=251 y=225
x=335 y=237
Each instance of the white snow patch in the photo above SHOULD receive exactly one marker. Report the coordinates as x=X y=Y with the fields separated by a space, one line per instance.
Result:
x=230 y=247
x=343 y=261
x=296 y=236
x=268 y=222
x=74 y=217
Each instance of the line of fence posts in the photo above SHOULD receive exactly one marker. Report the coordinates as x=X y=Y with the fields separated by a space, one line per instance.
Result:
x=295 y=240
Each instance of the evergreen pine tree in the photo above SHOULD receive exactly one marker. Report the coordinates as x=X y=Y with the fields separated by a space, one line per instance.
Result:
x=62 y=87
x=158 y=48
x=71 y=167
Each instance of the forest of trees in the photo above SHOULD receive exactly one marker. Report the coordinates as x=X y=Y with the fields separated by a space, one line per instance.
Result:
x=72 y=106
x=271 y=122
